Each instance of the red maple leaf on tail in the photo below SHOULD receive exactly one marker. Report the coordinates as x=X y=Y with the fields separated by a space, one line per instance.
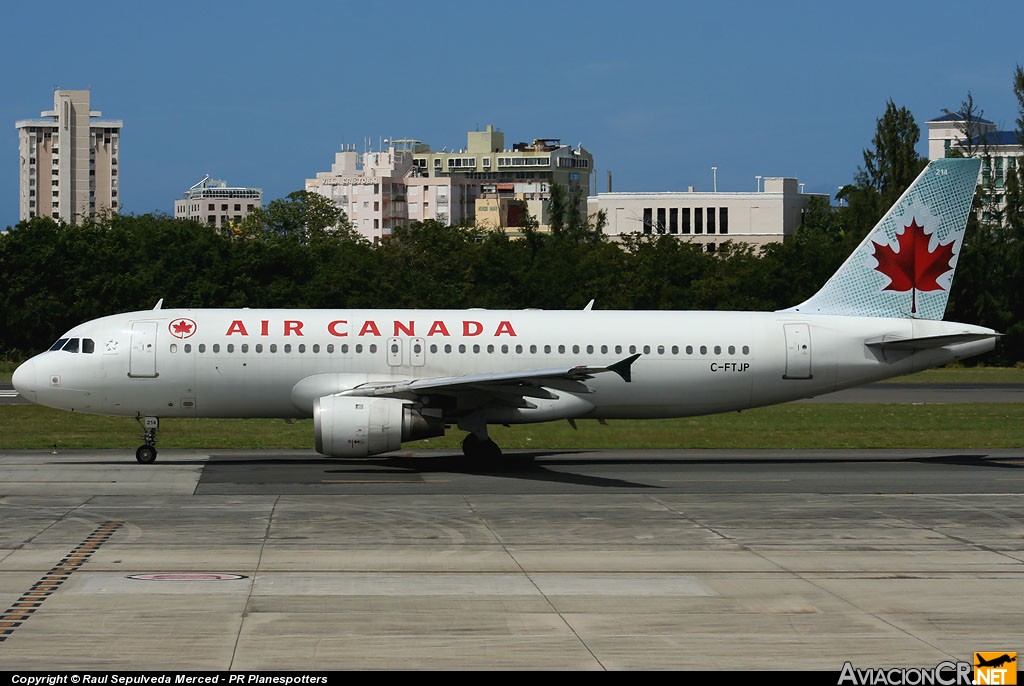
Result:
x=913 y=268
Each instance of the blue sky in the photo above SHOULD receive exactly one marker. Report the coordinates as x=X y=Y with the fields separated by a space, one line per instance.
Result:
x=263 y=94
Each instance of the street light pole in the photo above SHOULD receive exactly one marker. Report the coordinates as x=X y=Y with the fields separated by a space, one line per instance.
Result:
x=714 y=175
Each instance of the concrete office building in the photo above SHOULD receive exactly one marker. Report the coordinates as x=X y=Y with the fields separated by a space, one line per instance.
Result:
x=708 y=218
x=69 y=158
x=213 y=202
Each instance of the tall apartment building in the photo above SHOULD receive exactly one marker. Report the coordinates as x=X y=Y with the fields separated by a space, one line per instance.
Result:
x=213 y=202
x=69 y=161
x=1000 y=152
x=408 y=181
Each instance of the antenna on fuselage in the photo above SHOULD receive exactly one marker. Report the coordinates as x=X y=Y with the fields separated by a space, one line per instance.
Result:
x=159 y=304
x=590 y=306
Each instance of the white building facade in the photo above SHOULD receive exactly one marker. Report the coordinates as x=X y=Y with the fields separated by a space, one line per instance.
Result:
x=69 y=161
x=708 y=218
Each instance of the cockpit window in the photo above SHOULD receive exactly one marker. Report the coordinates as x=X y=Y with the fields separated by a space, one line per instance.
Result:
x=88 y=346
x=71 y=346
x=59 y=344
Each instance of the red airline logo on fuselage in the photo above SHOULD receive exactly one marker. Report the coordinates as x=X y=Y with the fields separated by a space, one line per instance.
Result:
x=340 y=328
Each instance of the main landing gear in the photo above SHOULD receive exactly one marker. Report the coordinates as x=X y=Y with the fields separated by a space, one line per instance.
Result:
x=146 y=453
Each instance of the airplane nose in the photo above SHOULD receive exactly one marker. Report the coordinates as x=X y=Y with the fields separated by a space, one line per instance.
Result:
x=24 y=380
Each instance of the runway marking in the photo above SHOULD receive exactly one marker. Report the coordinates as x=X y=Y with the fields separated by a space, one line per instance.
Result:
x=386 y=481
x=723 y=481
x=32 y=599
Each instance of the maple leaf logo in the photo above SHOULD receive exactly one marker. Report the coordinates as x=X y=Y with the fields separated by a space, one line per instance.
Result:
x=913 y=268
x=182 y=328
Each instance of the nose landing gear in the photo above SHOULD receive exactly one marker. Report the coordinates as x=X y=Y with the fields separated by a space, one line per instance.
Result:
x=146 y=453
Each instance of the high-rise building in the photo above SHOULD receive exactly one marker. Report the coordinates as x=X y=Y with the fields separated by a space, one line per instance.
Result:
x=213 y=202
x=69 y=161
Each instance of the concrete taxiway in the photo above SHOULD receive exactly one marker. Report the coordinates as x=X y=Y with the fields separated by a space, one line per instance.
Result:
x=608 y=560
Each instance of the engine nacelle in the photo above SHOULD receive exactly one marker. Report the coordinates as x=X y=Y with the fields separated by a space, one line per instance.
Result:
x=348 y=426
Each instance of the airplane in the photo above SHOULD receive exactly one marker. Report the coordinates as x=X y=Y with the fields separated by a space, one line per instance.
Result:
x=372 y=379
x=994 y=662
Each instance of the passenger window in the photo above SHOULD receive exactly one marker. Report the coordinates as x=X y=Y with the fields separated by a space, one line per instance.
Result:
x=174 y=347
x=216 y=347
x=533 y=350
x=448 y=348
x=732 y=349
x=462 y=347
x=88 y=346
x=490 y=349
x=330 y=347
x=689 y=350
x=718 y=350
x=703 y=350
x=259 y=347
x=746 y=350
x=632 y=349
x=59 y=344
x=618 y=350
x=476 y=348
x=231 y=347
x=590 y=350
x=273 y=348
x=188 y=347
x=576 y=350
x=675 y=349
x=302 y=348
x=661 y=350
x=604 y=349
x=373 y=347
x=547 y=349
x=344 y=348
x=561 y=350
x=359 y=347
x=433 y=348
x=287 y=347
x=202 y=347
x=245 y=347
x=417 y=349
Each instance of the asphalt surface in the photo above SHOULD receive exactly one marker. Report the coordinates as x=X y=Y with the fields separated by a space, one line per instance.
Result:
x=562 y=560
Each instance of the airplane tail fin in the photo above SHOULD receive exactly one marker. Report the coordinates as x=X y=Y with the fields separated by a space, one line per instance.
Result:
x=905 y=265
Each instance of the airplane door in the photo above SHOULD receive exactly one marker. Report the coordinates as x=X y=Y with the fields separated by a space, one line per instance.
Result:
x=417 y=352
x=798 y=351
x=142 y=357
x=395 y=352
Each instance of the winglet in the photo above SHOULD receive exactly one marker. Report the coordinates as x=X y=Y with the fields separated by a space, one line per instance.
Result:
x=624 y=367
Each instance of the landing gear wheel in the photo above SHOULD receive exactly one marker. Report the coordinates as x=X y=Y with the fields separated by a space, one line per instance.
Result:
x=145 y=454
x=480 y=449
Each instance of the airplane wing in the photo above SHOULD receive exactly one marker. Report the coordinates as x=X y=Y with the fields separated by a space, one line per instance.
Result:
x=525 y=383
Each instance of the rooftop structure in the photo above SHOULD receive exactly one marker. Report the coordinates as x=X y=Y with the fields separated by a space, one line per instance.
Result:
x=213 y=202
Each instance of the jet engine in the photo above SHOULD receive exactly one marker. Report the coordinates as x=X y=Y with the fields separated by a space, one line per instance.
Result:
x=347 y=426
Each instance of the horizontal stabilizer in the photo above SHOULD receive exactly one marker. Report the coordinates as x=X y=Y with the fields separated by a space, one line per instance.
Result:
x=928 y=342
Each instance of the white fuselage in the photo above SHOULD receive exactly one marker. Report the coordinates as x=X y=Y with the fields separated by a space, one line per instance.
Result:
x=276 y=363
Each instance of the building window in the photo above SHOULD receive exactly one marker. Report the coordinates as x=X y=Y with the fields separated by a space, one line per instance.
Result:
x=661 y=220
x=711 y=220
x=723 y=220
x=648 y=219
x=698 y=220
x=686 y=219
x=673 y=220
